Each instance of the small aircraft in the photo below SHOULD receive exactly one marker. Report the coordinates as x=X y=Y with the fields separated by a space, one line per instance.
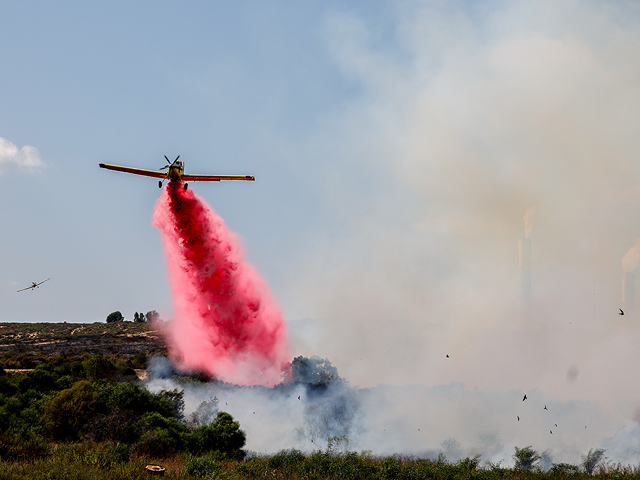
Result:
x=33 y=285
x=175 y=173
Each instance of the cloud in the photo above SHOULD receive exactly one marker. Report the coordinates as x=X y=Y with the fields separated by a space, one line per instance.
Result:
x=12 y=158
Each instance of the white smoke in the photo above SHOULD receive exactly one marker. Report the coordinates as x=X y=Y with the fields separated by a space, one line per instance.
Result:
x=631 y=258
x=411 y=420
x=25 y=159
x=463 y=119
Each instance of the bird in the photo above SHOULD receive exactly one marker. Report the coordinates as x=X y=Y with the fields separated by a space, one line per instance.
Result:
x=447 y=355
x=524 y=398
x=254 y=413
x=518 y=417
x=621 y=312
x=550 y=432
x=545 y=407
x=556 y=424
x=298 y=397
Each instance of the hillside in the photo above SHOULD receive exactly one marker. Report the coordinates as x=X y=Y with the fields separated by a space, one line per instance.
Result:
x=117 y=338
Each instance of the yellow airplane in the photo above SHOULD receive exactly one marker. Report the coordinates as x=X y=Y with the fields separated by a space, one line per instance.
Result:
x=175 y=173
x=33 y=285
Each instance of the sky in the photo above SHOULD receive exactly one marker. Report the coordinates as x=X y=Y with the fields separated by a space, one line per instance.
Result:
x=396 y=147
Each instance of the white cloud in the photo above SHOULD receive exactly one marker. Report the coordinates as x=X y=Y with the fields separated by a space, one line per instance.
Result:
x=13 y=158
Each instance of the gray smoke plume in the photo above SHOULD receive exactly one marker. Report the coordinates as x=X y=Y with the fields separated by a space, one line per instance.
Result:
x=318 y=409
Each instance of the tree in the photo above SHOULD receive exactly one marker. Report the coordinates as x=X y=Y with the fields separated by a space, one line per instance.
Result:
x=526 y=459
x=152 y=316
x=67 y=412
x=115 y=317
x=591 y=460
x=139 y=318
x=223 y=435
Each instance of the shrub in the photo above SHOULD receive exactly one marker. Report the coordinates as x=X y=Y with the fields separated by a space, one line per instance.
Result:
x=156 y=443
x=203 y=466
x=13 y=448
x=223 y=435
x=97 y=367
x=67 y=412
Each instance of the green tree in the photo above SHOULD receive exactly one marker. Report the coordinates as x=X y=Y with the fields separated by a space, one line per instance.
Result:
x=223 y=435
x=152 y=316
x=139 y=318
x=67 y=412
x=115 y=317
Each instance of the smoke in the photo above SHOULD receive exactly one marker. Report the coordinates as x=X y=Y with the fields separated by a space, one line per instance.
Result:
x=26 y=158
x=631 y=258
x=225 y=324
x=462 y=119
x=317 y=409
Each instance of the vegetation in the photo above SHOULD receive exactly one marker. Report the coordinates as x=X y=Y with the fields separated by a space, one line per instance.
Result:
x=27 y=345
x=115 y=317
x=82 y=417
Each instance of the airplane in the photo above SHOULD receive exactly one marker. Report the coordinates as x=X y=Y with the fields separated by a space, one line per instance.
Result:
x=175 y=173
x=33 y=285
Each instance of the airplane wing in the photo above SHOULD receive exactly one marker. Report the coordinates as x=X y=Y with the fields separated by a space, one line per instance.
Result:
x=135 y=171
x=42 y=282
x=23 y=289
x=216 y=178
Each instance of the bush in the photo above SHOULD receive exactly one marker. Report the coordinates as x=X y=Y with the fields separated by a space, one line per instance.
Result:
x=288 y=461
x=223 y=435
x=67 y=412
x=13 y=448
x=97 y=367
x=130 y=396
x=156 y=443
x=203 y=466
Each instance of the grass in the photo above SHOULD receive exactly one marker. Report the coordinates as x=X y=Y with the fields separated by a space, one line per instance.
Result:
x=107 y=461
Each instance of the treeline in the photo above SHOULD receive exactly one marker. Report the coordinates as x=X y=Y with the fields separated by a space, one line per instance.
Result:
x=151 y=316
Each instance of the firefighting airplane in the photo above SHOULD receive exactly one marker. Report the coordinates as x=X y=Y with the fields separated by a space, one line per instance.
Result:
x=33 y=285
x=175 y=173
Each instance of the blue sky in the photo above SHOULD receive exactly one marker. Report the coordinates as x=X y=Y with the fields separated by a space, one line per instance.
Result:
x=228 y=88
x=396 y=147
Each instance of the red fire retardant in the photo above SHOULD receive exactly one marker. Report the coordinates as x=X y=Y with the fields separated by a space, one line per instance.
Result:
x=225 y=323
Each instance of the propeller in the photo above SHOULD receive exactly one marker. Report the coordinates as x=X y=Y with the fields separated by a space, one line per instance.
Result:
x=169 y=163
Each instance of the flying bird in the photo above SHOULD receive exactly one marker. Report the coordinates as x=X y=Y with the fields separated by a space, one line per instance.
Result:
x=298 y=397
x=621 y=312
x=447 y=355
x=550 y=432
x=518 y=417
x=524 y=398
x=545 y=407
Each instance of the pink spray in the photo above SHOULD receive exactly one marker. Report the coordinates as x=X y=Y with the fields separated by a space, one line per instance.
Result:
x=226 y=323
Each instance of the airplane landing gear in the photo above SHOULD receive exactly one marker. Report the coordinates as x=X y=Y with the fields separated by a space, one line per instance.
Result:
x=160 y=184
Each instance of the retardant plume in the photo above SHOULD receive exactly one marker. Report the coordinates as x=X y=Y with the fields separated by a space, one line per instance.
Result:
x=226 y=323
